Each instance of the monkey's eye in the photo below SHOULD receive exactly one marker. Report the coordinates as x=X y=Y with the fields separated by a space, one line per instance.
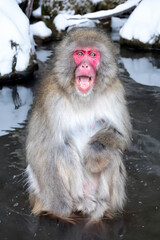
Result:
x=92 y=54
x=80 y=54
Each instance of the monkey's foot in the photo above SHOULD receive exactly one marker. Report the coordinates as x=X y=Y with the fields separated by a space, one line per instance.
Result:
x=102 y=211
x=87 y=205
x=72 y=219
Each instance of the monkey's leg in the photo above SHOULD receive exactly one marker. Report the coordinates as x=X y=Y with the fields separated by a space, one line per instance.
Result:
x=70 y=170
x=55 y=182
x=101 y=149
x=117 y=184
x=90 y=184
x=111 y=194
x=48 y=193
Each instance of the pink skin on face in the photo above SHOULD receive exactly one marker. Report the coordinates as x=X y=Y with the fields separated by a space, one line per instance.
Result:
x=87 y=61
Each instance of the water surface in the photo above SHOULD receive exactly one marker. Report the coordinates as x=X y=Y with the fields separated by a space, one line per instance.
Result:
x=140 y=73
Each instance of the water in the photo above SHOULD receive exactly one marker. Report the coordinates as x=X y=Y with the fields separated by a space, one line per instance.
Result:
x=140 y=73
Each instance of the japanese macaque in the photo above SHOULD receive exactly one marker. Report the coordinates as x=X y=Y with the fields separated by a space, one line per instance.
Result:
x=78 y=130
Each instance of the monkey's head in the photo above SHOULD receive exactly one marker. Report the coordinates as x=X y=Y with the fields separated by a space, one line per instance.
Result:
x=85 y=64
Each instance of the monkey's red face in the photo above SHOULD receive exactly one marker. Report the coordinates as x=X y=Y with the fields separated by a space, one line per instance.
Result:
x=87 y=61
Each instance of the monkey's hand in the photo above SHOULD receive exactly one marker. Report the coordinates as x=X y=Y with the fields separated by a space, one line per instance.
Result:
x=102 y=148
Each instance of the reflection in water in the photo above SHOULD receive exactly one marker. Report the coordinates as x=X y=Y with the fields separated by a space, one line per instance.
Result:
x=14 y=105
x=141 y=217
x=15 y=101
x=142 y=71
x=43 y=54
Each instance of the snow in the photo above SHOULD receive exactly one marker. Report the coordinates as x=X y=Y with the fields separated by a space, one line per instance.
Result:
x=16 y=41
x=12 y=117
x=144 y=23
x=37 y=12
x=62 y=21
x=96 y=1
x=116 y=24
x=40 y=29
x=142 y=71
x=20 y=1
x=104 y=13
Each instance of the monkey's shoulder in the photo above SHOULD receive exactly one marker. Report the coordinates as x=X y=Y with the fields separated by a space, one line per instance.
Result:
x=49 y=85
x=48 y=90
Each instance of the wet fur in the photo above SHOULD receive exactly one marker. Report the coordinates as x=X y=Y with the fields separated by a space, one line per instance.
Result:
x=75 y=143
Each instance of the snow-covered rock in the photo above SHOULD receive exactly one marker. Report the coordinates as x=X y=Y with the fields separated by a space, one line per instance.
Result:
x=63 y=20
x=40 y=30
x=37 y=13
x=17 y=52
x=143 y=26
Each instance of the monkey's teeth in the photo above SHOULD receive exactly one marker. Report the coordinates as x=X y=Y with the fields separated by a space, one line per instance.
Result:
x=84 y=85
x=90 y=78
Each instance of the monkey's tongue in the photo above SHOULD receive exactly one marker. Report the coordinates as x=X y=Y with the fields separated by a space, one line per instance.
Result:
x=84 y=83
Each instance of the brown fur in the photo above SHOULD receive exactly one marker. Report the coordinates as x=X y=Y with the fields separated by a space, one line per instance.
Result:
x=75 y=142
x=36 y=204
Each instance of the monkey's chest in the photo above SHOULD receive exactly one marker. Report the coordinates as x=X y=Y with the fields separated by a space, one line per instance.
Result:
x=81 y=134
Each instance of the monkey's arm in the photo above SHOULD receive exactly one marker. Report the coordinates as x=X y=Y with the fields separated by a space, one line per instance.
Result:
x=102 y=148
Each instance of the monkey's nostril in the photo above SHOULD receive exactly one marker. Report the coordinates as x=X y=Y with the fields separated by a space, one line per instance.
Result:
x=84 y=66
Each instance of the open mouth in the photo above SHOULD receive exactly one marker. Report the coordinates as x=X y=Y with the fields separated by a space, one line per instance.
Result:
x=84 y=83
